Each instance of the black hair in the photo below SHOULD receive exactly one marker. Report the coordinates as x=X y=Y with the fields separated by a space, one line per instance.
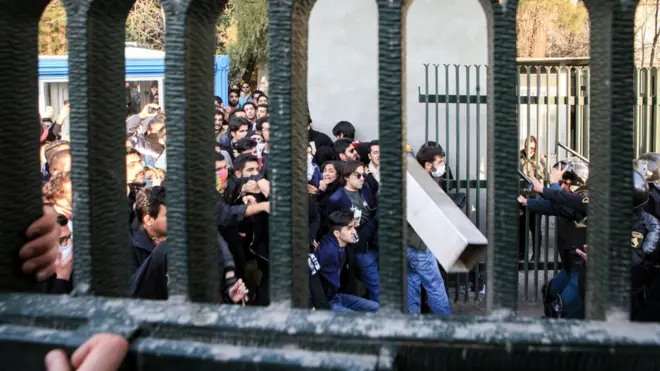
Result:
x=336 y=164
x=251 y=104
x=432 y=144
x=245 y=144
x=260 y=92
x=428 y=154
x=219 y=157
x=241 y=160
x=341 y=145
x=237 y=91
x=348 y=168
x=219 y=112
x=260 y=122
x=373 y=143
x=236 y=123
x=148 y=202
x=218 y=100
x=262 y=105
x=263 y=95
x=345 y=128
x=339 y=219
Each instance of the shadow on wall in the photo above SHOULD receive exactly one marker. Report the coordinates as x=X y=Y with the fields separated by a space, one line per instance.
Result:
x=343 y=58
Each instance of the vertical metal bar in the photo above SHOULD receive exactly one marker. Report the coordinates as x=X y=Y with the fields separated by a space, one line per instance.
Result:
x=478 y=171
x=478 y=121
x=468 y=139
x=569 y=104
x=559 y=102
x=457 y=169
x=503 y=154
x=656 y=114
x=447 y=149
x=192 y=240
x=437 y=106
x=426 y=102
x=610 y=192
x=637 y=112
x=537 y=224
x=587 y=113
x=656 y=111
x=391 y=60
x=525 y=233
x=647 y=113
x=578 y=110
x=19 y=27
x=546 y=175
x=287 y=52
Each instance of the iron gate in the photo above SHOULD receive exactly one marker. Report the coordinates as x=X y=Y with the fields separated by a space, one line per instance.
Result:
x=188 y=330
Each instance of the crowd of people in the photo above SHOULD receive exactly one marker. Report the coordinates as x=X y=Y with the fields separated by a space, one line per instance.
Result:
x=343 y=187
x=343 y=195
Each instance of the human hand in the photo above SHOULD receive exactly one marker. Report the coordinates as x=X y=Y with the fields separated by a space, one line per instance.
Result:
x=103 y=352
x=249 y=200
x=238 y=292
x=250 y=187
x=146 y=110
x=323 y=185
x=63 y=268
x=522 y=200
x=583 y=254
x=40 y=252
x=264 y=186
x=536 y=185
x=556 y=175
x=312 y=190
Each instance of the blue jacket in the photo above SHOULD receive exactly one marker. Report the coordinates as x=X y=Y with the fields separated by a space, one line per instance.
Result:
x=331 y=259
x=367 y=231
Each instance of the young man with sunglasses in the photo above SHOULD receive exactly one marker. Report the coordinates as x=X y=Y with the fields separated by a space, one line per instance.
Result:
x=357 y=197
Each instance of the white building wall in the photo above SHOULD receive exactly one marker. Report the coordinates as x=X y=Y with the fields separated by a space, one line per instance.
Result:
x=343 y=72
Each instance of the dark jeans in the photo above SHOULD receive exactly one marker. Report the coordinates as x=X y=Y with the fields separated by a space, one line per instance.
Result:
x=536 y=236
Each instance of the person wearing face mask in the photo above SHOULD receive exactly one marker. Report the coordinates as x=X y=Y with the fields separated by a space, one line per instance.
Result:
x=331 y=262
x=569 y=201
x=432 y=159
x=357 y=197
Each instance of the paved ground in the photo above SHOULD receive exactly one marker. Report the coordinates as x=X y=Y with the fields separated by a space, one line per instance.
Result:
x=529 y=306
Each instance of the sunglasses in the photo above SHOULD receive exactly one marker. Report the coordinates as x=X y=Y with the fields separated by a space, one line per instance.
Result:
x=360 y=175
x=245 y=86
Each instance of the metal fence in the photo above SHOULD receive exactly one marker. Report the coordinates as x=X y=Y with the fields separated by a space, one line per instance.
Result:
x=553 y=107
x=190 y=331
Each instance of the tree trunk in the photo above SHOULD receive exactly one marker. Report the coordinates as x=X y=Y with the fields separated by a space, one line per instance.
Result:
x=249 y=70
x=656 y=34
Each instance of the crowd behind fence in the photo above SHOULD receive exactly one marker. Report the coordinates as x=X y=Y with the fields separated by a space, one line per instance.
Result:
x=554 y=108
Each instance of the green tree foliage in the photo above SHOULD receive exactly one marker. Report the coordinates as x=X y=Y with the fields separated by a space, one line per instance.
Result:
x=52 y=30
x=250 y=47
x=247 y=19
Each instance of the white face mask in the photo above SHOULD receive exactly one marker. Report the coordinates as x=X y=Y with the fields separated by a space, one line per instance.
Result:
x=440 y=171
